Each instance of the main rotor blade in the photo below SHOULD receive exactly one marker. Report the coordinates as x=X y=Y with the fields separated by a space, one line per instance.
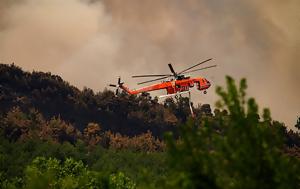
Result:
x=112 y=85
x=153 y=80
x=195 y=65
x=171 y=68
x=154 y=75
x=200 y=69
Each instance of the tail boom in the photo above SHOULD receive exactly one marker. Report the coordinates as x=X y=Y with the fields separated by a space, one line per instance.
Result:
x=146 y=89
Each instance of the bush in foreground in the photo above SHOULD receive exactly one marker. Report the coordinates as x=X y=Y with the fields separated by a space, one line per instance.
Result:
x=239 y=150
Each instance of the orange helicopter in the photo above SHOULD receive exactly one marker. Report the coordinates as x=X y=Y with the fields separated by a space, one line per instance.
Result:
x=176 y=84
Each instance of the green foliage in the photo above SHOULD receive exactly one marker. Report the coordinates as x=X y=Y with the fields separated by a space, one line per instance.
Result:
x=68 y=174
x=52 y=173
x=141 y=167
x=144 y=168
x=120 y=181
x=242 y=152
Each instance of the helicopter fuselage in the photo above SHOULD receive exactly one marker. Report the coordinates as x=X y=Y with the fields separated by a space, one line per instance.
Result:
x=173 y=86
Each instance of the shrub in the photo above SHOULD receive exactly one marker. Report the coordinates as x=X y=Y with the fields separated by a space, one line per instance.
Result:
x=245 y=152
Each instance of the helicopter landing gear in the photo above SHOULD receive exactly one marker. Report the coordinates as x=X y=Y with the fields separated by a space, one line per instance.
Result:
x=191 y=105
x=204 y=92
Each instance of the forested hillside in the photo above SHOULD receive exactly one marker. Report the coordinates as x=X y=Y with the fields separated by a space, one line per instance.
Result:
x=54 y=135
x=51 y=96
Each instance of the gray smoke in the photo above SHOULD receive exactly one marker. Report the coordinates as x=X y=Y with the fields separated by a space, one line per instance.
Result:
x=90 y=43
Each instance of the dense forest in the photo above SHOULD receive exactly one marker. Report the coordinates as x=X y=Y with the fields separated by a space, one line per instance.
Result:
x=51 y=96
x=54 y=135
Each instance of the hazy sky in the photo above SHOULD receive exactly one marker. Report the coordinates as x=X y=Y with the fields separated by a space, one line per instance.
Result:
x=91 y=42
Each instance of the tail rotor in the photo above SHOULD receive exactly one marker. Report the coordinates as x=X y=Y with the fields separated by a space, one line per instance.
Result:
x=117 y=86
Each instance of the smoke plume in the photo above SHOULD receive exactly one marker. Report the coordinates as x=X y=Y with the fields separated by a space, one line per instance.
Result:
x=91 y=42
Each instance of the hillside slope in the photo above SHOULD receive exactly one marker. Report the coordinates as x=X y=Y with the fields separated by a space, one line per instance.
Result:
x=52 y=96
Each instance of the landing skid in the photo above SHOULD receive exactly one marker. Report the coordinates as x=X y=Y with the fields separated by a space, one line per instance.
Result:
x=176 y=95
